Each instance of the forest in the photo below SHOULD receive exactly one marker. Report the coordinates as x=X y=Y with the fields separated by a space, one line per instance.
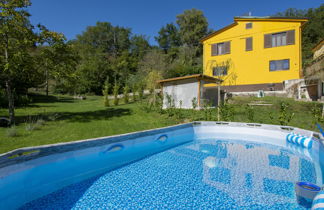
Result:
x=107 y=58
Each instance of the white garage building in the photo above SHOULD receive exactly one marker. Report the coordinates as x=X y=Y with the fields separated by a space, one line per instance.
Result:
x=184 y=90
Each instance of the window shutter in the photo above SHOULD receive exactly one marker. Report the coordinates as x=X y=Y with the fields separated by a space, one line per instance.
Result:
x=267 y=41
x=214 y=49
x=227 y=47
x=248 y=25
x=291 y=37
x=248 y=44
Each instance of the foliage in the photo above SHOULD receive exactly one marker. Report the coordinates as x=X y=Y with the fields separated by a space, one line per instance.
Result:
x=250 y=112
x=208 y=111
x=126 y=94
x=168 y=37
x=226 y=112
x=284 y=115
x=317 y=112
x=194 y=103
x=105 y=92
x=116 y=92
x=21 y=51
x=192 y=26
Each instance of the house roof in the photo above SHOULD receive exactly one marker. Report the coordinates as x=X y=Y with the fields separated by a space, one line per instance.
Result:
x=194 y=76
x=254 y=18
x=298 y=19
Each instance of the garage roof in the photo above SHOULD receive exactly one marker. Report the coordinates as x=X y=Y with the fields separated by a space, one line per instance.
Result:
x=195 y=76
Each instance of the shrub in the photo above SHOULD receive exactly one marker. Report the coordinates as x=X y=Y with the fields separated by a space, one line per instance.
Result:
x=226 y=112
x=249 y=112
x=208 y=111
x=194 y=103
x=115 y=92
x=126 y=94
x=284 y=115
x=134 y=93
x=317 y=114
x=140 y=92
x=105 y=92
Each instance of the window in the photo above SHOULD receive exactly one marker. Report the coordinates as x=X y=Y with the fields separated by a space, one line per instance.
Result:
x=279 y=39
x=278 y=65
x=249 y=44
x=248 y=25
x=221 y=48
x=220 y=70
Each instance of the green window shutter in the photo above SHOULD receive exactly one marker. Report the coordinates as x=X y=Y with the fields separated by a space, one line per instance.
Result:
x=290 y=37
x=267 y=41
x=214 y=49
x=248 y=44
x=227 y=47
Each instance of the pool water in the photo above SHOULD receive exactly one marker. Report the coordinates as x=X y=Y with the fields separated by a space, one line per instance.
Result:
x=202 y=174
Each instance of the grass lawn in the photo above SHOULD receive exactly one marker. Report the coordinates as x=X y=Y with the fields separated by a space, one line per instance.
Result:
x=68 y=120
x=65 y=119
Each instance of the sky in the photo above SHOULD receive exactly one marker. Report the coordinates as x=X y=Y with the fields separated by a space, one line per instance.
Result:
x=71 y=17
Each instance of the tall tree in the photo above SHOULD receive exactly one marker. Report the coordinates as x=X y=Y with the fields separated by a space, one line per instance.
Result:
x=17 y=40
x=168 y=37
x=193 y=26
x=56 y=59
x=105 y=52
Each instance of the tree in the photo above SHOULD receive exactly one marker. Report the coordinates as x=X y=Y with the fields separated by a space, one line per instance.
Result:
x=153 y=60
x=313 y=31
x=57 y=59
x=193 y=26
x=168 y=37
x=17 y=43
x=104 y=50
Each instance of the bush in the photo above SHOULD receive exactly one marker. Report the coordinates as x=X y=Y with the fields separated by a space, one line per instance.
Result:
x=105 y=92
x=126 y=94
x=194 y=103
x=284 y=115
x=115 y=92
x=140 y=92
x=317 y=114
x=134 y=93
x=249 y=112
x=226 y=112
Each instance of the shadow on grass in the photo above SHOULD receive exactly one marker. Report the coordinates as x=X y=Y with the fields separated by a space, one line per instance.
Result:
x=86 y=116
x=38 y=98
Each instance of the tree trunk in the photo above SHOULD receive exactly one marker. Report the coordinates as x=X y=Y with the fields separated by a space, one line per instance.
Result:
x=11 y=106
x=11 y=99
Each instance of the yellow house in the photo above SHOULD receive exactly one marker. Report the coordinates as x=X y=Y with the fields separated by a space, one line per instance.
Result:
x=255 y=53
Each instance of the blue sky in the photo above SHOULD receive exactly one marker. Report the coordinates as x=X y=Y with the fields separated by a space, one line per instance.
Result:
x=71 y=17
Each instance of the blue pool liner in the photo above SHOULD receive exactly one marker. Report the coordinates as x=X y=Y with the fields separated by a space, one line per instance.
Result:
x=303 y=141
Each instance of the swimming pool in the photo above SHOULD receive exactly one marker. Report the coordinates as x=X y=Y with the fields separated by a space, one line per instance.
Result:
x=195 y=165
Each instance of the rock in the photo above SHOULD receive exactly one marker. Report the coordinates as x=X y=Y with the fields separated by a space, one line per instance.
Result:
x=4 y=122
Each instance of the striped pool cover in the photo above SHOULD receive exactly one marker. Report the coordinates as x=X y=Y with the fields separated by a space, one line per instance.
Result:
x=303 y=141
x=318 y=202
